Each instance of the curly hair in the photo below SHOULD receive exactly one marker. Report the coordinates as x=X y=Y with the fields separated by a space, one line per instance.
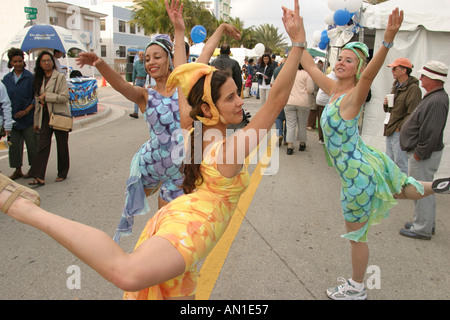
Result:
x=15 y=52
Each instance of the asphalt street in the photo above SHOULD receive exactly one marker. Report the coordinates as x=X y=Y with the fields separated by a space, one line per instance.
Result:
x=286 y=245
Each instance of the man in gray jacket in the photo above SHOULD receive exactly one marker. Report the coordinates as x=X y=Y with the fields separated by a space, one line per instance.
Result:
x=407 y=95
x=422 y=138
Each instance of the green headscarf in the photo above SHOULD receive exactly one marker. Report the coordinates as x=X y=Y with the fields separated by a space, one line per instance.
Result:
x=365 y=50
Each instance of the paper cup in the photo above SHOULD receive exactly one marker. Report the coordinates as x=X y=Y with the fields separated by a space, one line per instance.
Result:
x=390 y=100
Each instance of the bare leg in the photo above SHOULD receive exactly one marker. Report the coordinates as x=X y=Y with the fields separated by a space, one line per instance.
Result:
x=359 y=254
x=161 y=202
x=154 y=262
x=410 y=192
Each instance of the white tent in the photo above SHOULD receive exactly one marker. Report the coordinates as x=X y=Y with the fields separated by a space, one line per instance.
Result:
x=238 y=54
x=424 y=36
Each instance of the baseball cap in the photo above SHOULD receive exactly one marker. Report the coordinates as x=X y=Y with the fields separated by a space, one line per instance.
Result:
x=402 y=62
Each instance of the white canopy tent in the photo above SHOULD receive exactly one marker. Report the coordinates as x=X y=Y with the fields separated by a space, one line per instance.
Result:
x=424 y=36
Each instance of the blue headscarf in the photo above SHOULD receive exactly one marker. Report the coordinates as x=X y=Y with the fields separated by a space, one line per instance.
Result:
x=163 y=40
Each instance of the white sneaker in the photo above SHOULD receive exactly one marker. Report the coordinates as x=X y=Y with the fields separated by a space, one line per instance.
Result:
x=441 y=185
x=346 y=291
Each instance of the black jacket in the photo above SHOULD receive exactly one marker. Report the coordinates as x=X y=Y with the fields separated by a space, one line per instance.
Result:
x=224 y=62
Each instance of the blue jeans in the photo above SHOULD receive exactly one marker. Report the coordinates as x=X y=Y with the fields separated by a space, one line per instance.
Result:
x=281 y=129
x=139 y=83
x=395 y=152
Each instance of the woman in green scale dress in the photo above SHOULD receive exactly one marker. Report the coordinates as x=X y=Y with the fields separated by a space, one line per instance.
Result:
x=371 y=182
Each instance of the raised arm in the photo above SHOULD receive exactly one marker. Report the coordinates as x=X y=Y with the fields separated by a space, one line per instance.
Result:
x=133 y=93
x=319 y=78
x=175 y=12
x=279 y=94
x=214 y=40
x=357 y=96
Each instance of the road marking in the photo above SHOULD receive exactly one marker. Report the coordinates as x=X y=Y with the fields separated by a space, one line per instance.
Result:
x=216 y=258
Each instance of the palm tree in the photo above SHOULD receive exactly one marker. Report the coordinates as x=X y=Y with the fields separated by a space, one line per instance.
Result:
x=268 y=35
x=151 y=15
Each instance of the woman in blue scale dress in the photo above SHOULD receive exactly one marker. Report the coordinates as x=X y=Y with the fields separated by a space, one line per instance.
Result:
x=157 y=163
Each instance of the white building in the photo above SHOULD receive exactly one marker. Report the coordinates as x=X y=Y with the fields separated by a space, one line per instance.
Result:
x=118 y=38
x=80 y=20
x=219 y=8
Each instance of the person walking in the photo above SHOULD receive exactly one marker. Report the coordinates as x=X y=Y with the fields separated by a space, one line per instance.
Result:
x=164 y=264
x=52 y=97
x=421 y=137
x=280 y=123
x=19 y=85
x=297 y=110
x=264 y=71
x=371 y=182
x=139 y=77
x=407 y=95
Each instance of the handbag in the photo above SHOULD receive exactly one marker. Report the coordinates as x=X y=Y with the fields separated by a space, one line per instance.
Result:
x=60 y=121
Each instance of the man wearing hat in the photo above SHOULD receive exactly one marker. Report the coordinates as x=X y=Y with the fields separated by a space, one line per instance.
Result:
x=407 y=95
x=421 y=137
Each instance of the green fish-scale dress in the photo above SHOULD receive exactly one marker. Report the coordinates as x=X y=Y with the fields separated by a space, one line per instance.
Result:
x=369 y=177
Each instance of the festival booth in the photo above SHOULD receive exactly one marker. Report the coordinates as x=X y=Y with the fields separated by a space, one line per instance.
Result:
x=82 y=90
x=424 y=36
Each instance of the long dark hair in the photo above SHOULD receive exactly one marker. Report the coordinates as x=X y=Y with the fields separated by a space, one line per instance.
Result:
x=191 y=169
x=39 y=73
x=261 y=60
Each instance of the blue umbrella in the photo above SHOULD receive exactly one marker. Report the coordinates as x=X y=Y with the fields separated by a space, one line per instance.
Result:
x=44 y=36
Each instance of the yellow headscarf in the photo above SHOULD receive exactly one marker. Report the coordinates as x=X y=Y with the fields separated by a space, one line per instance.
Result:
x=185 y=76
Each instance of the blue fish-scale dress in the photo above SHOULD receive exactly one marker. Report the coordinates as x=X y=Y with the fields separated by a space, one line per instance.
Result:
x=157 y=163
x=369 y=177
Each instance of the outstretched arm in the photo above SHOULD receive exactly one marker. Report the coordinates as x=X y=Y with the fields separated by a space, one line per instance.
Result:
x=351 y=105
x=133 y=93
x=214 y=40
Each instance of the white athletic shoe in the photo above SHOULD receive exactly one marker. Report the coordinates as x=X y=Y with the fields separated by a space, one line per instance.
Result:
x=346 y=291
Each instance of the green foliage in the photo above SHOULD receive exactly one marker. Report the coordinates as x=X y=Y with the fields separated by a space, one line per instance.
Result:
x=151 y=15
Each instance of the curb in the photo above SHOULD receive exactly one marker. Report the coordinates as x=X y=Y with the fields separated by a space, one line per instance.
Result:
x=81 y=122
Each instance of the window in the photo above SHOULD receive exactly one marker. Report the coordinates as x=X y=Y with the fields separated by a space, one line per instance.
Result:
x=122 y=26
x=103 y=51
x=132 y=29
x=102 y=24
x=122 y=51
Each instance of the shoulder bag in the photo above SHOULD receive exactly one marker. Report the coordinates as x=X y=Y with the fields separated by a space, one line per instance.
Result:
x=60 y=122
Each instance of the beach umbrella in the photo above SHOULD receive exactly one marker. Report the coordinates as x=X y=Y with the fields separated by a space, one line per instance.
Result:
x=45 y=36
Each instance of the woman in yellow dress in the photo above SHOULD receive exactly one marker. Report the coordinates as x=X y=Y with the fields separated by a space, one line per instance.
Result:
x=182 y=233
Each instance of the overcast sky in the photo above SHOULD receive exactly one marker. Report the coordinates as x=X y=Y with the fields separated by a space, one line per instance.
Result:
x=257 y=12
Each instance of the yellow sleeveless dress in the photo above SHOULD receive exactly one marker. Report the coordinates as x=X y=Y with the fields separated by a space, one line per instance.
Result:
x=194 y=223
